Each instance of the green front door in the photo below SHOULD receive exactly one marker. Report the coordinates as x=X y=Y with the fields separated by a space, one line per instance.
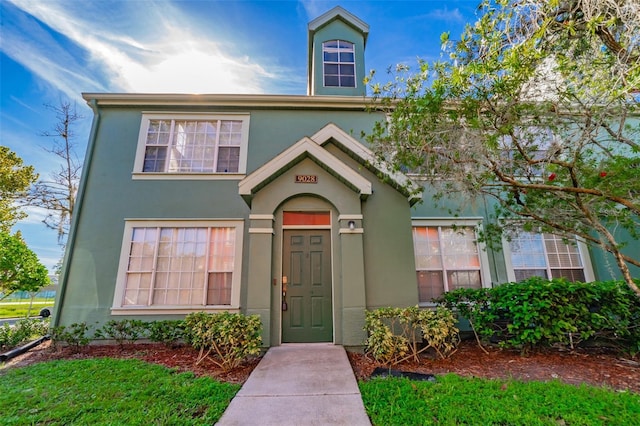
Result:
x=306 y=264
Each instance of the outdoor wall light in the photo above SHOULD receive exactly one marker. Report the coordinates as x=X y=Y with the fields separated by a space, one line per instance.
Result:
x=352 y=225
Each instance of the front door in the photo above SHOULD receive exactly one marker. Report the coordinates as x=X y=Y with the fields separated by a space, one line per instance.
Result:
x=306 y=268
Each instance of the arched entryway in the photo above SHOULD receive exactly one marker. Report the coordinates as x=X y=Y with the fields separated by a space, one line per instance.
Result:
x=327 y=172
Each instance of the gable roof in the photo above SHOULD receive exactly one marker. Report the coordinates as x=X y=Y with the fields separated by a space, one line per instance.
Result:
x=304 y=148
x=339 y=13
x=362 y=154
x=313 y=148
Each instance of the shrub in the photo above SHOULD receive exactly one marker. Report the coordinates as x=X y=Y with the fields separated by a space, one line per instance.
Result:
x=226 y=339
x=74 y=335
x=122 y=331
x=397 y=334
x=22 y=331
x=540 y=312
x=169 y=332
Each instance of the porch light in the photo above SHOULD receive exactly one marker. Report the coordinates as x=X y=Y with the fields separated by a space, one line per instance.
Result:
x=352 y=225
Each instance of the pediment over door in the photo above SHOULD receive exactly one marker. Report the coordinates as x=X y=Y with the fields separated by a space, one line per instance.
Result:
x=314 y=148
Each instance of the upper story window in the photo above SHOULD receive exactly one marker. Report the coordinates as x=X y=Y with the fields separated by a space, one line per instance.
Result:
x=547 y=256
x=447 y=257
x=339 y=63
x=192 y=144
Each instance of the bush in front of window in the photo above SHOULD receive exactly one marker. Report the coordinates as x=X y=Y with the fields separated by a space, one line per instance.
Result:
x=127 y=330
x=398 y=334
x=74 y=335
x=168 y=332
x=537 y=313
x=225 y=339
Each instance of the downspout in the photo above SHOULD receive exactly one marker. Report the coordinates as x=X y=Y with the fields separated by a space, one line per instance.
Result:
x=68 y=253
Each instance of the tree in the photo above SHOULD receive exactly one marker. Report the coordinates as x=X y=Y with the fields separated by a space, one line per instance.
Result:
x=15 y=180
x=536 y=107
x=58 y=194
x=20 y=269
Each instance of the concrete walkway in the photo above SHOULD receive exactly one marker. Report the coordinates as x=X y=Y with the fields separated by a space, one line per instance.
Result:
x=299 y=384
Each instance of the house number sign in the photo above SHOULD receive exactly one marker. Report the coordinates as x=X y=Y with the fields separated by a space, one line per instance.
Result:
x=306 y=179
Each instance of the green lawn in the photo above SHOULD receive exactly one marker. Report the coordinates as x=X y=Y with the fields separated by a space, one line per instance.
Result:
x=455 y=400
x=109 y=391
x=132 y=392
x=19 y=309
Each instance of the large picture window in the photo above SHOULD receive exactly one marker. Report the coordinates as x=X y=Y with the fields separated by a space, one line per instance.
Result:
x=545 y=255
x=192 y=145
x=187 y=266
x=339 y=64
x=447 y=258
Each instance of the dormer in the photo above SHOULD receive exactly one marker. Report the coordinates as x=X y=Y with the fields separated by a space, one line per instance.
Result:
x=337 y=41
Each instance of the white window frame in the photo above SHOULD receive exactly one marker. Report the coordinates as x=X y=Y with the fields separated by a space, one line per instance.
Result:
x=338 y=50
x=476 y=224
x=168 y=116
x=583 y=251
x=118 y=308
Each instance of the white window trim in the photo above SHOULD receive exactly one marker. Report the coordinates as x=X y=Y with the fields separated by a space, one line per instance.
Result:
x=355 y=71
x=583 y=251
x=476 y=223
x=118 y=308
x=142 y=138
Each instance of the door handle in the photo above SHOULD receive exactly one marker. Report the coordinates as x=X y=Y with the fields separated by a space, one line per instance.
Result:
x=284 y=293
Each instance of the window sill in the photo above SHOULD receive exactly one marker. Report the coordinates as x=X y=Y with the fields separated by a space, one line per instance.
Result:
x=187 y=176
x=173 y=310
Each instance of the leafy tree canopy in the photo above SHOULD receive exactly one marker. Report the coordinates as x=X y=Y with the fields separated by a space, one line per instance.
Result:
x=20 y=269
x=15 y=180
x=536 y=107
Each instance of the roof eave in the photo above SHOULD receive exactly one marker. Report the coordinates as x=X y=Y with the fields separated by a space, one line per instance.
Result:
x=231 y=100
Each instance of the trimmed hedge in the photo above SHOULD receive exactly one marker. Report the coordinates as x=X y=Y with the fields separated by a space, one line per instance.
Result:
x=23 y=331
x=225 y=339
x=398 y=334
x=538 y=312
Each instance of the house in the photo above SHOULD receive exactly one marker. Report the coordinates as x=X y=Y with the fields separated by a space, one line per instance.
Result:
x=272 y=205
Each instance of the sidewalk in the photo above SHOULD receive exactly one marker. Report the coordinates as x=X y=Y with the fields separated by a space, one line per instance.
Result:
x=299 y=384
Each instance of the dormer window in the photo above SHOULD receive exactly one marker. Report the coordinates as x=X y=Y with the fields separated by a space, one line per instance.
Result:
x=339 y=64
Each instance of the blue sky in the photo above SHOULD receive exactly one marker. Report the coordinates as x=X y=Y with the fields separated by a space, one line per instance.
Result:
x=54 y=50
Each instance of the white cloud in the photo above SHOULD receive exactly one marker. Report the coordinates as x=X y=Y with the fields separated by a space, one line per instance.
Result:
x=45 y=58
x=316 y=8
x=445 y=15
x=163 y=56
x=35 y=215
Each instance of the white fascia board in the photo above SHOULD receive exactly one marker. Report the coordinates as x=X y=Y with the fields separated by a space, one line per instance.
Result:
x=296 y=151
x=248 y=102
x=331 y=131
x=338 y=11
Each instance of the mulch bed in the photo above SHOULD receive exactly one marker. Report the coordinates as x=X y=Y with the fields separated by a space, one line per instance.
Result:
x=594 y=366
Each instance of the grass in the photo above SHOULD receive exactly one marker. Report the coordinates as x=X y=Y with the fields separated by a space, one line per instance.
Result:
x=455 y=400
x=19 y=309
x=109 y=392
